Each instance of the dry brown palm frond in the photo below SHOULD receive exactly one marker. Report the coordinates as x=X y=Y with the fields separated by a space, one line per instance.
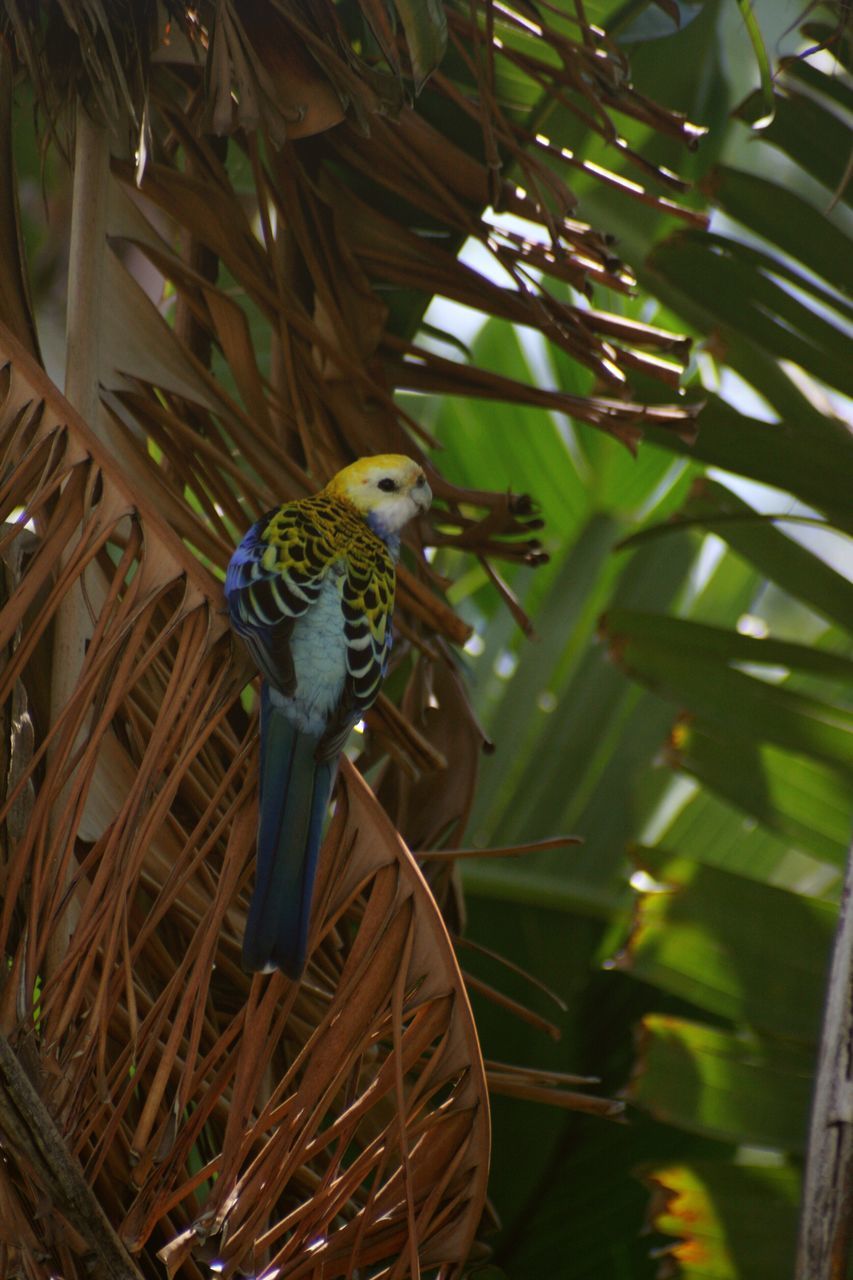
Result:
x=15 y=302
x=331 y=1124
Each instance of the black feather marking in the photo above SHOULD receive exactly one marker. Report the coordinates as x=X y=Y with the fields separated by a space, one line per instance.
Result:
x=340 y=725
x=265 y=608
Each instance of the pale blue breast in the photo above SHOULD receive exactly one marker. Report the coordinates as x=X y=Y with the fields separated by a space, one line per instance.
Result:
x=318 y=647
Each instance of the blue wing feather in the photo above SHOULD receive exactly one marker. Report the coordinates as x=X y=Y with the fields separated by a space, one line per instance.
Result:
x=263 y=604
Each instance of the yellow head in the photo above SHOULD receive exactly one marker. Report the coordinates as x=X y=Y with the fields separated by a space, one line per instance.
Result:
x=387 y=489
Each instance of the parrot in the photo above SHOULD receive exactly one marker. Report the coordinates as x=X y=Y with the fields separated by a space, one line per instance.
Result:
x=310 y=590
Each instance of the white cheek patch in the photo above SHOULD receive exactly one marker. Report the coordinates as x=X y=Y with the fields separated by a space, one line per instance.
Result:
x=397 y=512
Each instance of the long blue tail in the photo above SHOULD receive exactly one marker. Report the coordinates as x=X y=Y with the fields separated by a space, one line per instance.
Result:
x=295 y=789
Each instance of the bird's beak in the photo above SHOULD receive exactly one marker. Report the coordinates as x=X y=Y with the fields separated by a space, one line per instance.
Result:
x=422 y=496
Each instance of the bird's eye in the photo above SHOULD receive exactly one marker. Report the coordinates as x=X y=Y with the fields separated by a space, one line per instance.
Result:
x=387 y=485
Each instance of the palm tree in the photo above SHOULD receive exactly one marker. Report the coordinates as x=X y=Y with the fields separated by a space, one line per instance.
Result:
x=263 y=201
